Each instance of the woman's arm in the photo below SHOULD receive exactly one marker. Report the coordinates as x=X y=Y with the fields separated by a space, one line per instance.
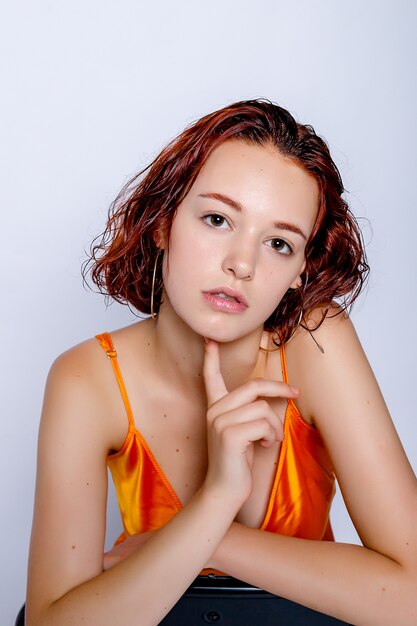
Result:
x=373 y=584
x=66 y=583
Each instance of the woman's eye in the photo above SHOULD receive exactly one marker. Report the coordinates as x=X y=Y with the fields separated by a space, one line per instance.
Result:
x=218 y=221
x=281 y=246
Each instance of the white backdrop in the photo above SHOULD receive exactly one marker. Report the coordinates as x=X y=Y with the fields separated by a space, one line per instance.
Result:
x=92 y=89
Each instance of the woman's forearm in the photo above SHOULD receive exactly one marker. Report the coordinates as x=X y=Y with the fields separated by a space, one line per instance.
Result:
x=349 y=582
x=141 y=589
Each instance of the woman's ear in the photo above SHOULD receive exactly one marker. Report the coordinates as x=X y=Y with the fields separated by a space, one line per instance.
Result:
x=160 y=239
x=297 y=282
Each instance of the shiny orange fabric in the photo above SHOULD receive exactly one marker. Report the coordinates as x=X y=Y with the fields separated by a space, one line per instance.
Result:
x=300 y=498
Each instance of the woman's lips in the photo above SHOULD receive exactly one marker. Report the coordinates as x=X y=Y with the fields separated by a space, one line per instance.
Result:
x=225 y=299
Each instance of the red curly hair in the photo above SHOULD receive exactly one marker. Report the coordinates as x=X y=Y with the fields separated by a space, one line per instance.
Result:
x=122 y=261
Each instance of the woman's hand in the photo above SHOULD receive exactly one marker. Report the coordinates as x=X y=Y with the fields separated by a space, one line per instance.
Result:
x=235 y=421
x=125 y=549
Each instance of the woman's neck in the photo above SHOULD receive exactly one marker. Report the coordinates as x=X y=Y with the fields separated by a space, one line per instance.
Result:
x=179 y=354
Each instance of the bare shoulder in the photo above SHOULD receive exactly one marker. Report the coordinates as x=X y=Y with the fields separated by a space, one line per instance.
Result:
x=76 y=432
x=74 y=414
x=87 y=360
x=82 y=389
x=83 y=418
x=81 y=370
x=329 y=354
x=340 y=395
x=73 y=394
x=325 y=333
x=81 y=362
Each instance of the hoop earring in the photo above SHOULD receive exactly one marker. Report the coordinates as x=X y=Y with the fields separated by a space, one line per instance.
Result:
x=154 y=315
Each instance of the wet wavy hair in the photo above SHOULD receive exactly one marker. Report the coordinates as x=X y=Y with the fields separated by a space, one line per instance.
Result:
x=122 y=258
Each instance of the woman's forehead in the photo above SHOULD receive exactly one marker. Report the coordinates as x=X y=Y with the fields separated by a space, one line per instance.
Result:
x=259 y=177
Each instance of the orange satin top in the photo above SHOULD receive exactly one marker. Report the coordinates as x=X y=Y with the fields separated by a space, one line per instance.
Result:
x=300 y=498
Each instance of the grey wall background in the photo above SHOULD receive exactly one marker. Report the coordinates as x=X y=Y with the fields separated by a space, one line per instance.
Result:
x=92 y=90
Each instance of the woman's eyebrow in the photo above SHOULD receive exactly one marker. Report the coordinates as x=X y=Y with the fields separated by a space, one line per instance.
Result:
x=234 y=204
x=292 y=227
x=220 y=196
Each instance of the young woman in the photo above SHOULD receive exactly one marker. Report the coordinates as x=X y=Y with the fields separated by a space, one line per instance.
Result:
x=224 y=416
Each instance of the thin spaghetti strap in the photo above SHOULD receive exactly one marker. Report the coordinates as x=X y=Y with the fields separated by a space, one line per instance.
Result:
x=283 y=364
x=107 y=345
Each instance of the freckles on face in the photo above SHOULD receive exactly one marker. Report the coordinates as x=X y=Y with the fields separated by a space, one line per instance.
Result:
x=244 y=225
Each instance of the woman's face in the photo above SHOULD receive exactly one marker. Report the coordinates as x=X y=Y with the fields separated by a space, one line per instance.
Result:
x=237 y=241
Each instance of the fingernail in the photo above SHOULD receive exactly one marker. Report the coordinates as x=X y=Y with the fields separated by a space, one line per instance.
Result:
x=295 y=390
x=206 y=339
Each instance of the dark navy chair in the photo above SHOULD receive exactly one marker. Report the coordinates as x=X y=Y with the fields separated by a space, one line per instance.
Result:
x=20 y=619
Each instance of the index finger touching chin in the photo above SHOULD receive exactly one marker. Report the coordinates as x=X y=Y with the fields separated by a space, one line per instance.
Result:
x=213 y=379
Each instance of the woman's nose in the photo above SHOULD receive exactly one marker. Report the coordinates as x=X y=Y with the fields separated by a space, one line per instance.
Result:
x=240 y=263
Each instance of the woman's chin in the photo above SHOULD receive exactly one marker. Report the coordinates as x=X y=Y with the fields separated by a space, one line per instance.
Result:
x=223 y=336
x=219 y=330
